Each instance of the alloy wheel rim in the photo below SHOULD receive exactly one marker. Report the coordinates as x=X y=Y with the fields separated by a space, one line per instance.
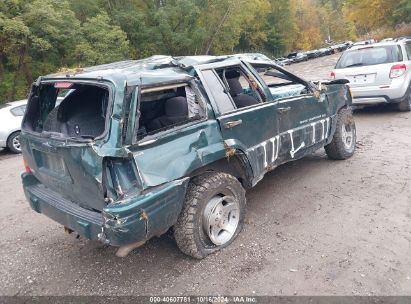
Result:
x=221 y=218
x=16 y=143
x=348 y=136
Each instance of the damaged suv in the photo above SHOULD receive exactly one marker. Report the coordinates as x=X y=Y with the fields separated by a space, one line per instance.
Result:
x=137 y=147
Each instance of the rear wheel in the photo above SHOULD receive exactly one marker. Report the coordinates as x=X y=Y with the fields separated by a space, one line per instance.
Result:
x=13 y=142
x=405 y=105
x=212 y=215
x=342 y=145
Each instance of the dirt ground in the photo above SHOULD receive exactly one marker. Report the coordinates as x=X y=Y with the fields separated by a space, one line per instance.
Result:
x=314 y=227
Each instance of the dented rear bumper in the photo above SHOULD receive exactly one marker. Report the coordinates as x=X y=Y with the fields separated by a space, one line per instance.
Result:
x=133 y=219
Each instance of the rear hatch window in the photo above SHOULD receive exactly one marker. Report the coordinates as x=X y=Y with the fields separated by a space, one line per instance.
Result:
x=68 y=110
x=369 y=56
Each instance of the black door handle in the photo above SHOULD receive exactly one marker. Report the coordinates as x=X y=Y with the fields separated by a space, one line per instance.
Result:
x=283 y=110
x=231 y=124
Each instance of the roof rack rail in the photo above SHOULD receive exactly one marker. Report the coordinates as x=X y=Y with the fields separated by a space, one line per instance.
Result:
x=402 y=38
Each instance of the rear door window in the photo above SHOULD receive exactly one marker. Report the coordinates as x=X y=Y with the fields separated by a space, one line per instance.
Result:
x=400 y=55
x=408 y=50
x=241 y=86
x=166 y=107
x=219 y=93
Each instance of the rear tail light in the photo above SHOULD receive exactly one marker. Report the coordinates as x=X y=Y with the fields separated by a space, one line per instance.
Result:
x=26 y=166
x=397 y=70
x=120 y=175
x=332 y=75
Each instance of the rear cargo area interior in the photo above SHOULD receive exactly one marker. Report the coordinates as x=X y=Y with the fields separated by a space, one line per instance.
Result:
x=81 y=113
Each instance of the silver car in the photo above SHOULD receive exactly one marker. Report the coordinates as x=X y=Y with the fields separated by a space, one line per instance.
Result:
x=378 y=73
x=11 y=115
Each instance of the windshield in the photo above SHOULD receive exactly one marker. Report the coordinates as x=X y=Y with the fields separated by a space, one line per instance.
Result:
x=369 y=56
x=279 y=84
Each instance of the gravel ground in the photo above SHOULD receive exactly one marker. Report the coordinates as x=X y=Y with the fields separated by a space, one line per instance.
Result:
x=314 y=227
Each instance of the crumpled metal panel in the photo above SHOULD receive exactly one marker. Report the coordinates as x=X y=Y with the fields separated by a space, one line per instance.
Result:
x=180 y=153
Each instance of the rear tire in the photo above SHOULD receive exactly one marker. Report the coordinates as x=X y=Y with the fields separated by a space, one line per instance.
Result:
x=405 y=105
x=13 y=142
x=212 y=215
x=343 y=143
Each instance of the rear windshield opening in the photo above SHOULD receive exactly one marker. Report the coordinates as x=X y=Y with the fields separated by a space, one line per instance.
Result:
x=79 y=112
x=370 y=56
x=163 y=108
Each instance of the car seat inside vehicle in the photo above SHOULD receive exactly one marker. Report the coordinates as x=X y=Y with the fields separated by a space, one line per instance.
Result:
x=241 y=97
x=165 y=108
x=175 y=111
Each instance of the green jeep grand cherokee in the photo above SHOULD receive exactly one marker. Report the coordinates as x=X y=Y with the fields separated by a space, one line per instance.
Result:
x=137 y=147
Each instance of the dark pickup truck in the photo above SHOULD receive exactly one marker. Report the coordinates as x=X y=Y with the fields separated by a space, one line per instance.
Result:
x=137 y=147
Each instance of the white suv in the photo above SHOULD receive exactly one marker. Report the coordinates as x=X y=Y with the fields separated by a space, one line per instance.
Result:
x=378 y=73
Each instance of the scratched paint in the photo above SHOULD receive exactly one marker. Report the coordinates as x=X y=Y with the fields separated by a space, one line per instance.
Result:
x=269 y=158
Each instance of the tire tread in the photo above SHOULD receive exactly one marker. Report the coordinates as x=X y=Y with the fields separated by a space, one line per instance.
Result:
x=335 y=149
x=184 y=229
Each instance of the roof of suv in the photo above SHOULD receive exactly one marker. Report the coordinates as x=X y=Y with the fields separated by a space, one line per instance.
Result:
x=156 y=68
x=385 y=43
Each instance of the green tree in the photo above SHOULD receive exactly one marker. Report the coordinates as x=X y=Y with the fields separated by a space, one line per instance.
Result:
x=280 y=27
x=402 y=12
x=102 y=42
x=38 y=37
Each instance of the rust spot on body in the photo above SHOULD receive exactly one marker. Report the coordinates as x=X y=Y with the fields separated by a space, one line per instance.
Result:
x=144 y=217
x=229 y=151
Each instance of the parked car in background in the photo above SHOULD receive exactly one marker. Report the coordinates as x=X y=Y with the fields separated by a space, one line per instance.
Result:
x=142 y=146
x=364 y=42
x=312 y=54
x=341 y=47
x=300 y=57
x=11 y=115
x=334 y=48
x=284 y=61
x=378 y=73
x=297 y=57
x=278 y=61
x=325 y=51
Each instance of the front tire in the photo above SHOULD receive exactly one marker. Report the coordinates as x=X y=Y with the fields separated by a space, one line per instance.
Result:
x=13 y=142
x=212 y=215
x=343 y=143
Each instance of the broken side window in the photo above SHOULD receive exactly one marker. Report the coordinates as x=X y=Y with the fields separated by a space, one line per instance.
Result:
x=242 y=87
x=219 y=93
x=166 y=107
